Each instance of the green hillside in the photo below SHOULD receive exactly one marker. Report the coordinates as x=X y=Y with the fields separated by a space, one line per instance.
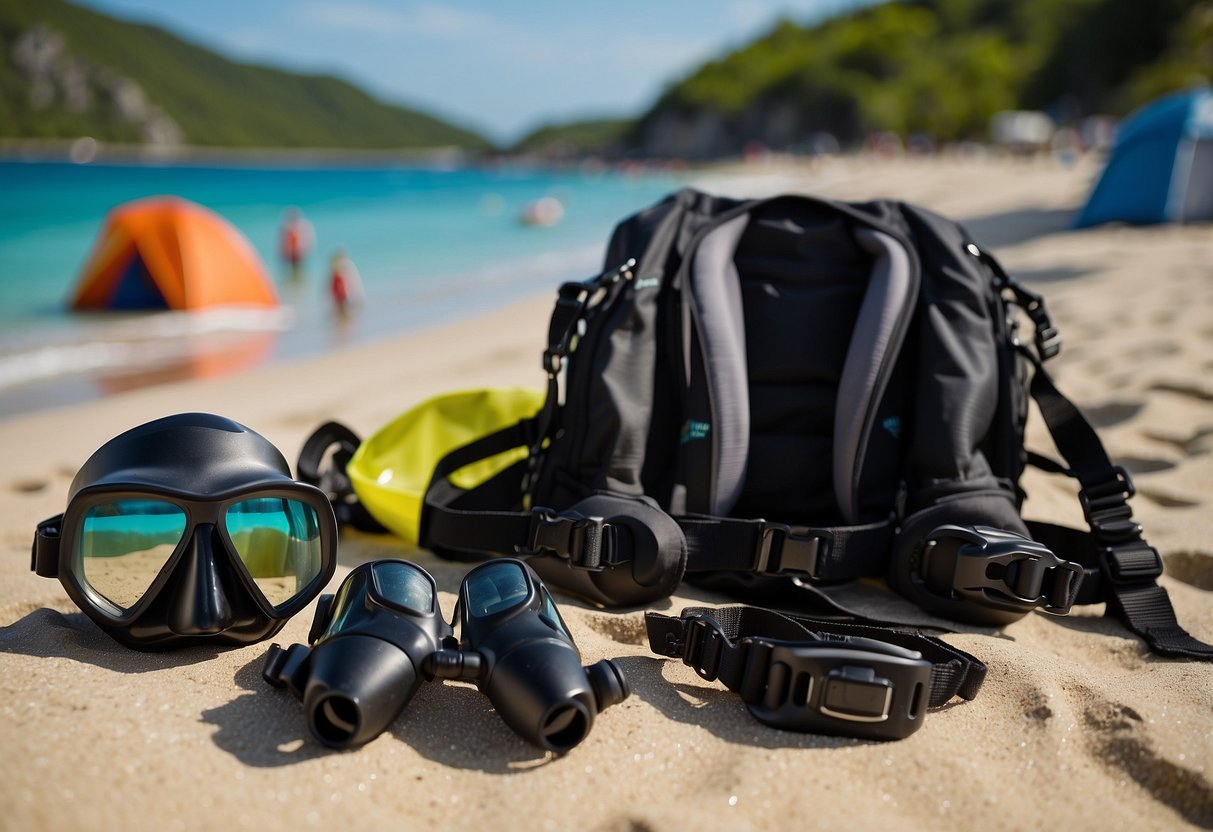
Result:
x=576 y=138
x=68 y=71
x=940 y=67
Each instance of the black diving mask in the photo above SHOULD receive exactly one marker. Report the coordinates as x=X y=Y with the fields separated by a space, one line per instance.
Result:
x=189 y=530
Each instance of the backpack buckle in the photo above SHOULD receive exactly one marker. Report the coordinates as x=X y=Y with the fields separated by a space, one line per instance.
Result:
x=781 y=550
x=702 y=646
x=1001 y=569
x=1131 y=563
x=1106 y=508
x=585 y=542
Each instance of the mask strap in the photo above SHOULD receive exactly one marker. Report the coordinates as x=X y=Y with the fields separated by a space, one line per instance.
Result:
x=44 y=554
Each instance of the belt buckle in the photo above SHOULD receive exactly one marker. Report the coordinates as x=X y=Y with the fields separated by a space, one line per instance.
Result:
x=1007 y=571
x=585 y=542
x=782 y=550
x=871 y=691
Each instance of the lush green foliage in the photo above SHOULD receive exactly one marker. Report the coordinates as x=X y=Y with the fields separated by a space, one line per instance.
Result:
x=940 y=67
x=943 y=67
x=575 y=138
x=213 y=100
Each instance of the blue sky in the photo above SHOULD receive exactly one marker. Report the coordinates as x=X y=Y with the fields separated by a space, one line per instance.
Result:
x=500 y=68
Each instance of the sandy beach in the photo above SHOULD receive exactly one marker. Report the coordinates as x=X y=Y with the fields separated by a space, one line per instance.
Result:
x=1077 y=727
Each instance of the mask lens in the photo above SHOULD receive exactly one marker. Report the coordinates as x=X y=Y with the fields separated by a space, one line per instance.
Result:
x=553 y=614
x=495 y=587
x=404 y=585
x=123 y=545
x=351 y=597
x=278 y=540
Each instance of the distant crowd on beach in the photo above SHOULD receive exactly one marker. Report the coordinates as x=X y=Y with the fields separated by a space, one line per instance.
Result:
x=296 y=239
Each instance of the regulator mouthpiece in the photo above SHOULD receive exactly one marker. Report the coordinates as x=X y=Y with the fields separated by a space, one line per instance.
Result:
x=383 y=634
x=509 y=619
x=357 y=687
x=369 y=643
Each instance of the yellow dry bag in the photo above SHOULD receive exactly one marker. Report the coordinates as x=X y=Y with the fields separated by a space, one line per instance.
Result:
x=391 y=469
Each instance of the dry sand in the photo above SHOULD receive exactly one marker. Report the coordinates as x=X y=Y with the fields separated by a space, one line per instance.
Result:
x=1077 y=726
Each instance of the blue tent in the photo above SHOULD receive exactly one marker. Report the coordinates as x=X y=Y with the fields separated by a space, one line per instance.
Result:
x=1161 y=167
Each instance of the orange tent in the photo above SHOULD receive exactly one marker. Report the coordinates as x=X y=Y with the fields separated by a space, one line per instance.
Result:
x=169 y=253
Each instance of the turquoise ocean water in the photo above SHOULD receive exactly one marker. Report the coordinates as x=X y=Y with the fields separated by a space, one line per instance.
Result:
x=431 y=245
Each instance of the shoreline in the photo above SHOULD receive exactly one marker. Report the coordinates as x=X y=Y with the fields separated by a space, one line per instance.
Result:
x=312 y=332
x=1071 y=706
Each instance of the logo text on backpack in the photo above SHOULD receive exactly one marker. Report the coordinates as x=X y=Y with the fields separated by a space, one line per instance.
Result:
x=695 y=430
x=648 y=283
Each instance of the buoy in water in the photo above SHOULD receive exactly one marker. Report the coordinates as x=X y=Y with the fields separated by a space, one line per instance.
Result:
x=544 y=211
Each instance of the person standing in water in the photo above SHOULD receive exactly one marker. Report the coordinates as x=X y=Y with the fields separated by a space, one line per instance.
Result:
x=295 y=240
x=345 y=284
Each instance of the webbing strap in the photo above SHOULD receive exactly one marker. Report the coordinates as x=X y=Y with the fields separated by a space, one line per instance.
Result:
x=759 y=546
x=465 y=520
x=953 y=671
x=44 y=553
x=1127 y=566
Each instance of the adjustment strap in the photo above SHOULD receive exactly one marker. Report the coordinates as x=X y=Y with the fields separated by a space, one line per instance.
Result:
x=333 y=480
x=1128 y=567
x=767 y=548
x=572 y=301
x=801 y=674
x=1080 y=547
x=44 y=554
x=468 y=520
x=1048 y=339
x=460 y=519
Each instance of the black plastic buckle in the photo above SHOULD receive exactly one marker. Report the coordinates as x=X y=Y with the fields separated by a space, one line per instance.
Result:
x=702 y=646
x=1001 y=569
x=1134 y=562
x=1048 y=339
x=874 y=691
x=781 y=550
x=1105 y=507
x=585 y=542
x=611 y=276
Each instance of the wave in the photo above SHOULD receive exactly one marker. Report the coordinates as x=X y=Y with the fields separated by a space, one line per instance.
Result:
x=137 y=342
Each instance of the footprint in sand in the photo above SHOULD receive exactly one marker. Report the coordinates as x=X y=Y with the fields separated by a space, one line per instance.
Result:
x=1194 y=390
x=1035 y=703
x=1152 y=350
x=1144 y=465
x=1112 y=413
x=1193 y=568
x=1200 y=442
x=623 y=628
x=28 y=486
x=1165 y=500
x=1117 y=736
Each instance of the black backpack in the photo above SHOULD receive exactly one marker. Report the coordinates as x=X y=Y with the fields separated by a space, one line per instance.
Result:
x=765 y=396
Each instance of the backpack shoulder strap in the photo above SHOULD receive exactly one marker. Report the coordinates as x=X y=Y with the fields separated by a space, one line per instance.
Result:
x=1120 y=567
